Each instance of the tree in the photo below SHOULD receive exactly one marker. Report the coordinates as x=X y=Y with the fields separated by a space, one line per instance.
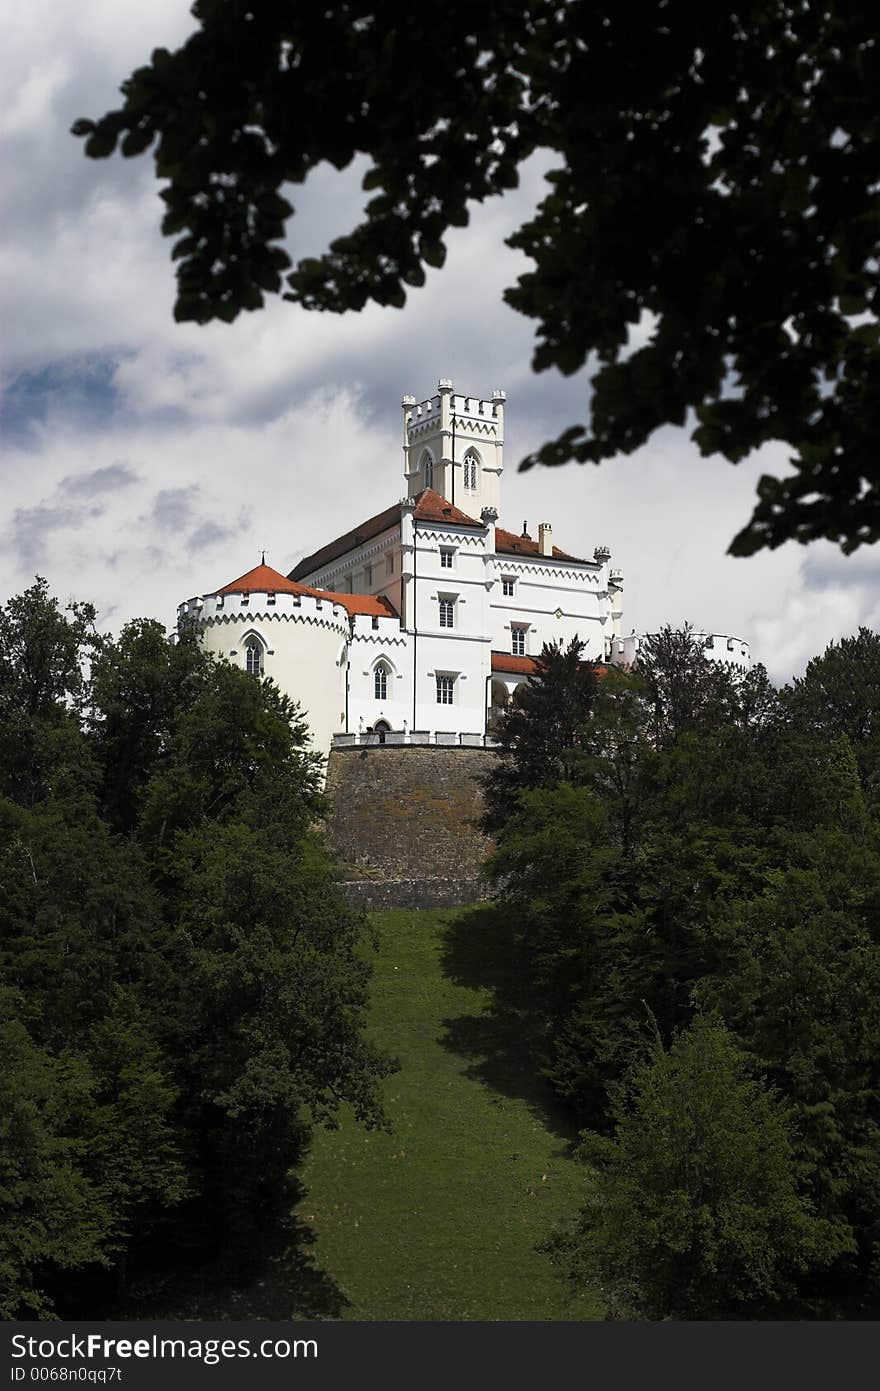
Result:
x=49 y=1211
x=210 y=773
x=715 y=182
x=540 y=727
x=182 y=987
x=839 y=696
x=685 y=690
x=697 y=1208
x=44 y=652
x=797 y=979
x=139 y=686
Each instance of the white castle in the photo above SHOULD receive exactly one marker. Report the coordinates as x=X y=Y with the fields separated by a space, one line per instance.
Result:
x=416 y=626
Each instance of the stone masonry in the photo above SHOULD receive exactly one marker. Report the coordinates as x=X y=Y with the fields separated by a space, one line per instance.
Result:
x=404 y=824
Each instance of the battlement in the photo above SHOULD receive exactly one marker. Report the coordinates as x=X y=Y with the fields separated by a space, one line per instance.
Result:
x=262 y=604
x=718 y=647
x=463 y=407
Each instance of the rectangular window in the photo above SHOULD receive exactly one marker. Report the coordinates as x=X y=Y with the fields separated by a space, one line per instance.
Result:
x=389 y=566
x=445 y=690
x=507 y=587
x=518 y=642
x=368 y=576
x=446 y=557
x=447 y=613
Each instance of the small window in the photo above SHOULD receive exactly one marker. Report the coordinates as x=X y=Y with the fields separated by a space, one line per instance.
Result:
x=507 y=586
x=518 y=642
x=270 y=599
x=380 y=682
x=428 y=468
x=446 y=557
x=447 y=613
x=389 y=564
x=445 y=690
x=253 y=657
x=368 y=575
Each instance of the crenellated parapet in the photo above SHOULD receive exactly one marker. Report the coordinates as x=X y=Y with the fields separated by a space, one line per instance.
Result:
x=718 y=647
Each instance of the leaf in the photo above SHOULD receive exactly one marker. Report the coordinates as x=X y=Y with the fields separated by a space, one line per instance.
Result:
x=433 y=253
x=136 y=141
x=101 y=143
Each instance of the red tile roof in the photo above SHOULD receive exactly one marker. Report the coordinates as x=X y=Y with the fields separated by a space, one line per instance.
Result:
x=517 y=666
x=508 y=544
x=263 y=579
x=374 y=604
x=431 y=507
x=525 y=666
x=374 y=526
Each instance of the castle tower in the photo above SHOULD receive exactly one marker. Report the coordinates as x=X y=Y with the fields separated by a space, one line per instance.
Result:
x=454 y=444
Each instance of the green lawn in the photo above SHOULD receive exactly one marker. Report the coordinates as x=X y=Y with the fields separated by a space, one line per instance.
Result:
x=440 y=1218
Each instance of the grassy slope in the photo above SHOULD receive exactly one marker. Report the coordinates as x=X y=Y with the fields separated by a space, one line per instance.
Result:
x=440 y=1218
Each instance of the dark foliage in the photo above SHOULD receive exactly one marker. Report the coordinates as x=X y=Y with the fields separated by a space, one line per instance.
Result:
x=713 y=846
x=182 y=989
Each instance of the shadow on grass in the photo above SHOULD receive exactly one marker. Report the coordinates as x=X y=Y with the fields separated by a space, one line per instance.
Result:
x=277 y=1279
x=499 y=1043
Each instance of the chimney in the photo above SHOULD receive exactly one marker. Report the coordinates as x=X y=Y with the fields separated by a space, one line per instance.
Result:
x=524 y=534
x=545 y=538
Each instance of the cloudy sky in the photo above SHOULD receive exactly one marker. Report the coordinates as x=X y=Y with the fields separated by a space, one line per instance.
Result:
x=145 y=461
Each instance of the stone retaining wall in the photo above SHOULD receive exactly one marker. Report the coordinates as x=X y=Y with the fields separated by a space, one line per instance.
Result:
x=404 y=824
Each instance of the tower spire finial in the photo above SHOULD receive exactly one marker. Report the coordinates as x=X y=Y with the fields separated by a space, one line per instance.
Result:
x=263 y=561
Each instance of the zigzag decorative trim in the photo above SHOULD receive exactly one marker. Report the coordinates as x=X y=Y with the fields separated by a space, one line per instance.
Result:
x=312 y=620
x=374 y=639
x=468 y=539
x=521 y=566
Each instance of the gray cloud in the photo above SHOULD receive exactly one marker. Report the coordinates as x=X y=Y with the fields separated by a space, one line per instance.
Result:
x=210 y=533
x=173 y=507
x=825 y=568
x=100 y=480
x=32 y=527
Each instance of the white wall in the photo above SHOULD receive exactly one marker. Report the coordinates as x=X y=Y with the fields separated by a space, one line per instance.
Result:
x=543 y=588
x=305 y=645
x=386 y=642
x=463 y=650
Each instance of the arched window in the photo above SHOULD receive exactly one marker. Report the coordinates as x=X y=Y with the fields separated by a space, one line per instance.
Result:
x=380 y=681
x=471 y=471
x=428 y=468
x=253 y=657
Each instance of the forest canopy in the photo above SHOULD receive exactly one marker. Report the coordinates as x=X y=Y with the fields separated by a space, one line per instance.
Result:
x=182 y=987
x=689 y=880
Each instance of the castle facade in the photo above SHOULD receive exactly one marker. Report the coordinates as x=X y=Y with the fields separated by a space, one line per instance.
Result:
x=416 y=625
